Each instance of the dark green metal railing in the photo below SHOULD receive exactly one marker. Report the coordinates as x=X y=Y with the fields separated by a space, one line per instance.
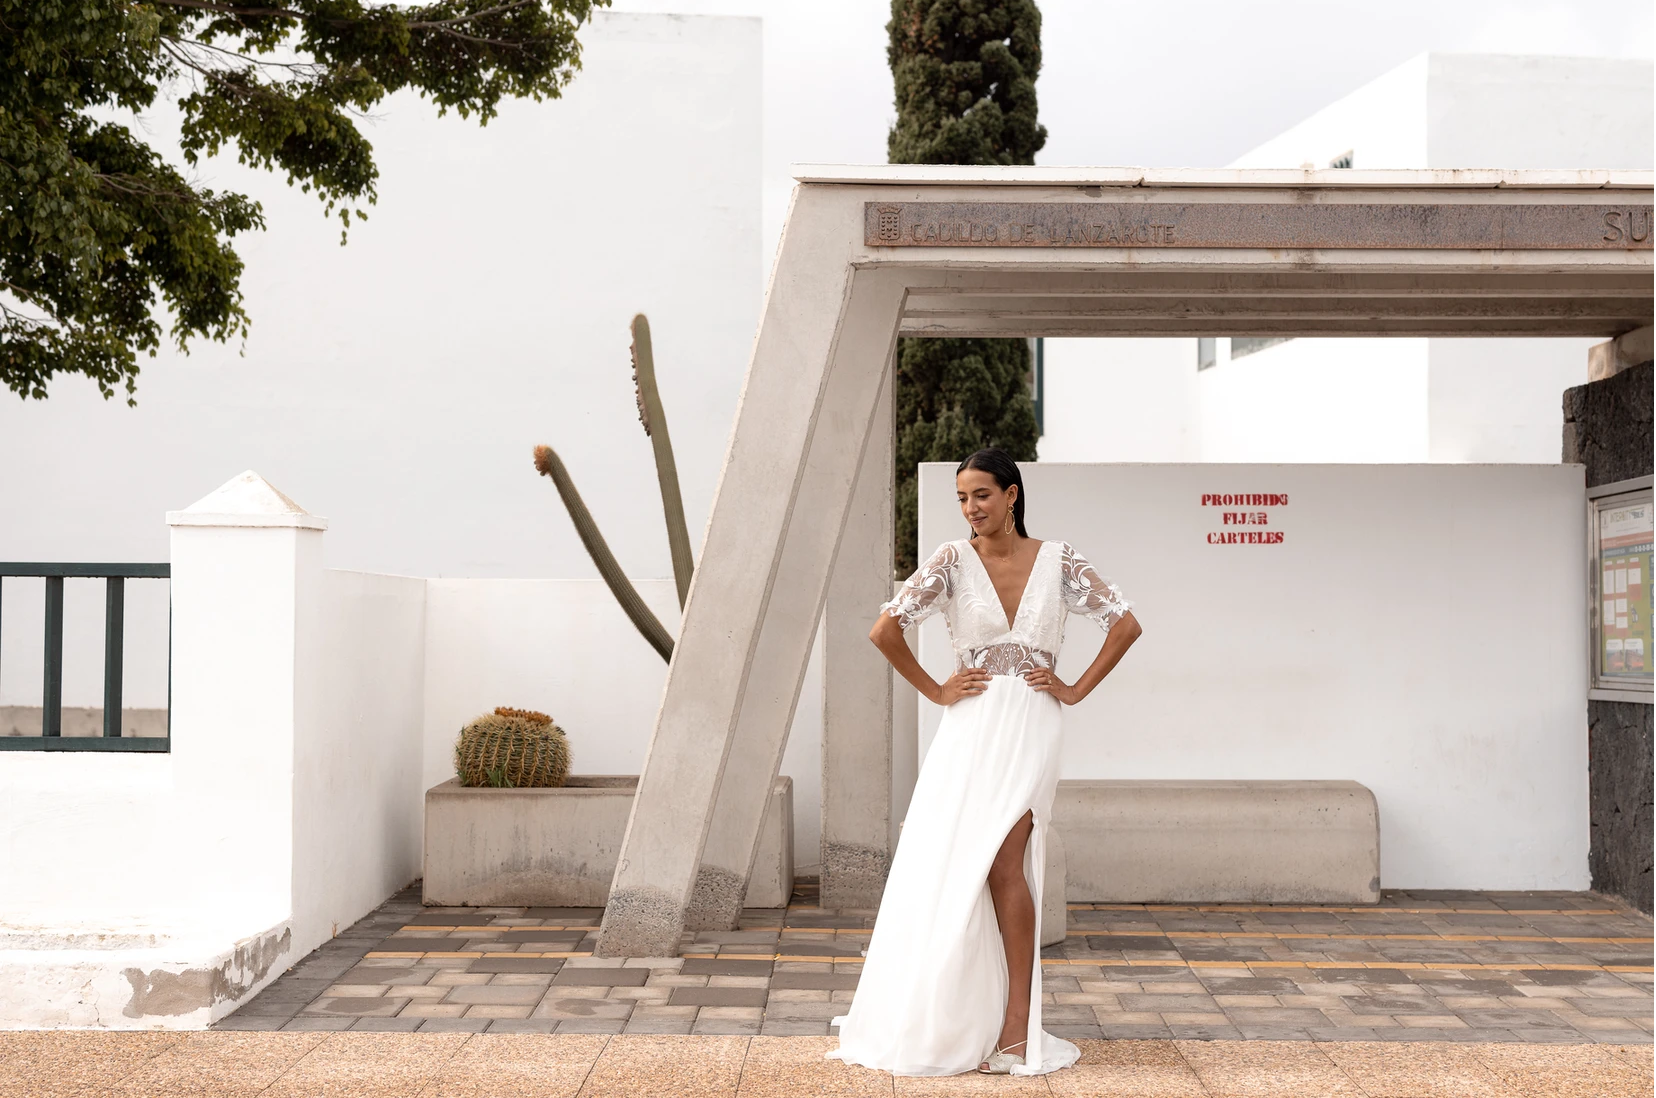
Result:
x=51 y=699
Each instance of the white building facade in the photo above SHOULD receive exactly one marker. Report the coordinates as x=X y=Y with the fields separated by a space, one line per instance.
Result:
x=1370 y=400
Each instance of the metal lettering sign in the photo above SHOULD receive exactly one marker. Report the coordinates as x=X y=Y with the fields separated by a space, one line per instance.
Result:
x=1255 y=225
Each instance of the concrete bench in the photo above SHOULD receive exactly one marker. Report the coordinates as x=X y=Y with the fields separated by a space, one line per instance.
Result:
x=1175 y=841
x=558 y=847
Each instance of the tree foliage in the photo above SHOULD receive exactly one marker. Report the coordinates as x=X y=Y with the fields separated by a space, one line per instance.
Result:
x=964 y=72
x=100 y=236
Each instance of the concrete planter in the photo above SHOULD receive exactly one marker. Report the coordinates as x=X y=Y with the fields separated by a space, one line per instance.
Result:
x=1126 y=841
x=558 y=847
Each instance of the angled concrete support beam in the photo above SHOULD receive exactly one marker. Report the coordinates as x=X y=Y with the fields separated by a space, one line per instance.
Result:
x=823 y=497
x=754 y=603
x=857 y=688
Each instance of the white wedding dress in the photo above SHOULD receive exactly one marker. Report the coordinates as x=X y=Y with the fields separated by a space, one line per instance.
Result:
x=933 y=989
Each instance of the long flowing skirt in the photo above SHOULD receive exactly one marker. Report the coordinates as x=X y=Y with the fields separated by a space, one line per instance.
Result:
x=933 y=990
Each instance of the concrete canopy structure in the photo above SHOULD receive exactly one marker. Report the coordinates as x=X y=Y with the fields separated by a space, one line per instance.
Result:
x=871 y=254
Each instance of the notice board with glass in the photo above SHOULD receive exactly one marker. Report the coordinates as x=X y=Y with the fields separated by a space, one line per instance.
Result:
x=1620 y=530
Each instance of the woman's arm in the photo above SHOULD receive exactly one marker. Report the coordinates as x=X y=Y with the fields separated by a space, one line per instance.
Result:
x=887 y=636
x=1121 y=636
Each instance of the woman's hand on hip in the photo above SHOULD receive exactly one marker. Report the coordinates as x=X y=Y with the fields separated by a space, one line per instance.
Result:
x=1044 y=680
x=968 y=682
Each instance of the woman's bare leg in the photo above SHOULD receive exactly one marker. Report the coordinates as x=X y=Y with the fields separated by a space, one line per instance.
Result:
x=1015 y=912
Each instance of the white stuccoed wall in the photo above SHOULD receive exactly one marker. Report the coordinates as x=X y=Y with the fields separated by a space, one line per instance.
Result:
x=398 y=384
x=1394 y=400
x=1321 y=400
x=1120 y=400
x=1420 y=630
x=1451 y=400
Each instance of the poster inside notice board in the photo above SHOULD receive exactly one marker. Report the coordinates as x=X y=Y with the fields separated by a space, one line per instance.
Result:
x=1623 y=551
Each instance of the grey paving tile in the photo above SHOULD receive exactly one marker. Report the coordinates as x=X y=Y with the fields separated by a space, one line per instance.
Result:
x=317 y=1023
x=1169 y=1002
x=1205 y=1033
x=1114 y=1032
x=592 y=1025
x=262 y=1007
x=1362 y=975
x=543 y=965
x=420 y=945
x=455 y=1025
x=1249 y=985
x=796 y=1027
x=601 y=977
x=729 y=1027
x=1513 y=1019
x=811 y=1012
x=1273 y=1033
x=521 y=1025
x=236 y=1023
x=703 y=966
x=1117 y=943
x=387 y=1025
x=721 y=996
x=635 y=1024
x=831 y=981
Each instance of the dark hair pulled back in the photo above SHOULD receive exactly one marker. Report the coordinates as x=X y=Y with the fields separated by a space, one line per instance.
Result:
x=999 y=464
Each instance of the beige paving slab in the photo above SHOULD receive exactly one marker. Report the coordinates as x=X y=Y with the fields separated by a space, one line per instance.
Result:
x=1267 y=1069
x=74 y=1063
x=969 y=1083
x=217 y=1065
x=368 y=1065
x=1405 y=1069
x=692 y=1067
x=1564 y=1071
x=509 y=1065
x=782 y=1067
x=1130 y=1069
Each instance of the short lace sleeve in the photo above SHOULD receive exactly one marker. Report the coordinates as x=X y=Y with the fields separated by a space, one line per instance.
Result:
x=928 y=590
x=1088 y=593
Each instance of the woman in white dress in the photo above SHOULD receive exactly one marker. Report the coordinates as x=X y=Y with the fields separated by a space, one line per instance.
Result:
x=952 y=977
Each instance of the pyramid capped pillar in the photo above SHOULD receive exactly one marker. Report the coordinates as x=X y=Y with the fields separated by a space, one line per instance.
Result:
x=246 y=578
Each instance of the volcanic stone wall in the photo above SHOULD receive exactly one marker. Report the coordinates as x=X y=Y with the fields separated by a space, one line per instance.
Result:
x=1607 y=428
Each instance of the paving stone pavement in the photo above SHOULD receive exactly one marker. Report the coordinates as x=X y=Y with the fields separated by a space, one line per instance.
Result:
x=1531 y=968
x=221 y=1064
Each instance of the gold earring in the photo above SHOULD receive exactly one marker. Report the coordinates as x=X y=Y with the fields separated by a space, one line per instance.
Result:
x=1007 y=529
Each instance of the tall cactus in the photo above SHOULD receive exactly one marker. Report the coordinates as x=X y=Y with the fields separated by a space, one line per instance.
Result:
x=654 y=419
x=549 y=465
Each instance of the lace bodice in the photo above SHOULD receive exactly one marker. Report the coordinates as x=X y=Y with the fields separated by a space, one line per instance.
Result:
x=955 y=582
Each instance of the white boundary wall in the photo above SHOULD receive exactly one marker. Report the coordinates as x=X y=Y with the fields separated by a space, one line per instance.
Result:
x=1421 y=629
x=312 y=708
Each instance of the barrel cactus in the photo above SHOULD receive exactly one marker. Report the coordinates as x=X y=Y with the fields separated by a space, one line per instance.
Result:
x=512 y=748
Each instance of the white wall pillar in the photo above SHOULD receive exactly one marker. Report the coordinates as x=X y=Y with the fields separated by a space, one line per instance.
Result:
x=242 y=559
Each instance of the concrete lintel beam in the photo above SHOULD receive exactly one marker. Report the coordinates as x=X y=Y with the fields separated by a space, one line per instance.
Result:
x=1612 y=357
x=990 y=328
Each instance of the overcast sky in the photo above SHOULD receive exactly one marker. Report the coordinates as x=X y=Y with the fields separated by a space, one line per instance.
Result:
x=1163 y=83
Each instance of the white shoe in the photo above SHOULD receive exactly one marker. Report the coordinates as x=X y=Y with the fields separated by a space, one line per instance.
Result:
x=1001 y=1062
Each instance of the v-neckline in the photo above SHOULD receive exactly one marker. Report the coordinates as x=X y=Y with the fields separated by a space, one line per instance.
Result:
x=1017 y=611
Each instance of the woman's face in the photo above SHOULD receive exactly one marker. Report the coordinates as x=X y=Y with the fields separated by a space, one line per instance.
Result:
x=983 y=502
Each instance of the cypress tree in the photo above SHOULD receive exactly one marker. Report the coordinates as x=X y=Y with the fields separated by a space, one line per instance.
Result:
x=964 y=72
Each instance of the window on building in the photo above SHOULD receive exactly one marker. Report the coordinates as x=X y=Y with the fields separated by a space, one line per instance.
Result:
x=1341 y=161
x=1038 y=383
x=1242 y=346
x=1206 y=353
